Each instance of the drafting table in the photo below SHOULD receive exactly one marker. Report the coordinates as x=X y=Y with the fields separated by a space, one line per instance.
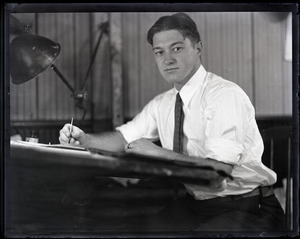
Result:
x=55 y=162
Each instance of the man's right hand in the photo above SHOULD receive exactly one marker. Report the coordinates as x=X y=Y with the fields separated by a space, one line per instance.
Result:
x=77 y=136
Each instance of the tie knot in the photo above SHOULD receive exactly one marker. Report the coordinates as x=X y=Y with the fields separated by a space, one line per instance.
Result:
x=178 y=99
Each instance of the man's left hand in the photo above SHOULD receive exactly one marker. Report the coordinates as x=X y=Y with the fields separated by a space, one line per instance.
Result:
x=142 y=146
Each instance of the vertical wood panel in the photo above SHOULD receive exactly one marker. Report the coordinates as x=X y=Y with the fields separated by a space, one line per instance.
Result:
x=287 y=73
x=102 y=85
x=244 y=64
x=65 y=63
x=131 y=63
x=213 y=47
x=287 y=89
x=14 y=109
x=269 y=53
x=228 y=48
x=47 y=93
x=23 y=101
x=15 y=113
x=82 y=53
x=116 y=68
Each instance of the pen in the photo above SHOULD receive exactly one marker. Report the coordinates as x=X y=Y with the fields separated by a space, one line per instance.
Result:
x=71 y=128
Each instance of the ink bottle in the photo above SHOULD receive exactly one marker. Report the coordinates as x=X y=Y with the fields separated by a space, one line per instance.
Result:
x=33 y=138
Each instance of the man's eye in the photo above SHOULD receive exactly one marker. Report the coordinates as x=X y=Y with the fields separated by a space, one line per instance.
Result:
x=158 y=53
x=176 y=49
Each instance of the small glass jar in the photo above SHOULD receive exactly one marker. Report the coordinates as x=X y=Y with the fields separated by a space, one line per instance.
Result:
x=33 y=138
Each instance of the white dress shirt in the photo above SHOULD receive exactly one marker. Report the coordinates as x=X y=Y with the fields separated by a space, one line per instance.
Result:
x=219 y=123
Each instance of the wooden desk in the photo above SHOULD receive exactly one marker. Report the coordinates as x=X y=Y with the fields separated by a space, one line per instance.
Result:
x=37 y=180
x=59 y=163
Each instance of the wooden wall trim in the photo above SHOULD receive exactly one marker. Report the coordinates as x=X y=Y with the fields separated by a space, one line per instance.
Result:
x=44 y=123
x=116 y=68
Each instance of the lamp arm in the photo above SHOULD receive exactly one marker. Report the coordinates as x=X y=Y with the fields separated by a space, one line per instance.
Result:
x=53 y=67
x=103 y=30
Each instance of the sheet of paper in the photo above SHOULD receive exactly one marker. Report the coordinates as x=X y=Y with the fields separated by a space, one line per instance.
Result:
x=47 y=145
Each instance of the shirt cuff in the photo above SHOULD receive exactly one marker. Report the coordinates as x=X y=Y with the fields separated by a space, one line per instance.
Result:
x=224 y=150
x=127 y=132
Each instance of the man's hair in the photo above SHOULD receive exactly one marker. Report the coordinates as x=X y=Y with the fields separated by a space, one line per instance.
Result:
x=180 y=22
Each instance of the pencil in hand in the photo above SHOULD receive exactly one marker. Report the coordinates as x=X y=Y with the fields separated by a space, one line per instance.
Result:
x=71 y=129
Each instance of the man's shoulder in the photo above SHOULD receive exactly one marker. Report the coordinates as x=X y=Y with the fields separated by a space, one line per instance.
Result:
x=219 y=89
x=217 y=84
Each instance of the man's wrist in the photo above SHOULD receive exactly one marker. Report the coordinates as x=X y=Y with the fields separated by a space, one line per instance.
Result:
x=86 y=140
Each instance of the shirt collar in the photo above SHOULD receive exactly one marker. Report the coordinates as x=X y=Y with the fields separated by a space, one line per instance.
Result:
x=189 y=89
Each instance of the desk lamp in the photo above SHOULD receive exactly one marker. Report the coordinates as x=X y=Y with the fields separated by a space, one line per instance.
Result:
x=30 y=55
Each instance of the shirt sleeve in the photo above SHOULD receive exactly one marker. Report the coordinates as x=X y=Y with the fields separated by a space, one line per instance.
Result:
x=143 y=125
x=227 y=116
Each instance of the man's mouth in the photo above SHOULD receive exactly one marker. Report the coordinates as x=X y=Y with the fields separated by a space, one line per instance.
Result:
x=171 y=69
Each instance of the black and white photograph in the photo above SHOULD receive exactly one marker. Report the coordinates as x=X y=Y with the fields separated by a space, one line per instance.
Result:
x=150 y=120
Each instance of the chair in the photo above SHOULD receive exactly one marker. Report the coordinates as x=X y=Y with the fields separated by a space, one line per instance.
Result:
x=277 y=141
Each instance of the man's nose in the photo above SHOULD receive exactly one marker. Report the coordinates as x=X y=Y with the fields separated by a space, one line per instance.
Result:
x=169 y=59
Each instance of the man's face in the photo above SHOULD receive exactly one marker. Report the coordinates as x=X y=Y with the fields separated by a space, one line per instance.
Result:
x=177 y=57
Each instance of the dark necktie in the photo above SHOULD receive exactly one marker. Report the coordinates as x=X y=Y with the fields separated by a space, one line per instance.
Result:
x=178 y=126
x=178 y=139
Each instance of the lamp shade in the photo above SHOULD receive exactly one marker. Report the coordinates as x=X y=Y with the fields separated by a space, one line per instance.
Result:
x=30 y=55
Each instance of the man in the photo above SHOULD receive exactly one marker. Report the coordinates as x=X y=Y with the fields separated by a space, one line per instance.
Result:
x=215 y=124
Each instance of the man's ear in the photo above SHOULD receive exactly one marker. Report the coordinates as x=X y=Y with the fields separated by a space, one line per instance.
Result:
x=199 y=46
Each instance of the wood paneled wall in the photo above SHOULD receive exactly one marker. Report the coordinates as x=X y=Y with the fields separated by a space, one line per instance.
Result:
x=272 y=75
x=243 y=47
x=47 y=97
